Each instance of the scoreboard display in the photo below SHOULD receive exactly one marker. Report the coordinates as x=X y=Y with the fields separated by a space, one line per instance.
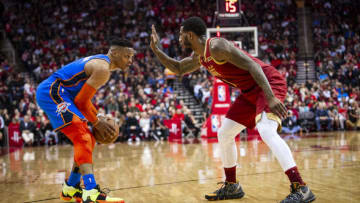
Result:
x=229 y=9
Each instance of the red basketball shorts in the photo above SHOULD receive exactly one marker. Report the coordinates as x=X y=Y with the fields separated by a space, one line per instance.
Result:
x=248 y=107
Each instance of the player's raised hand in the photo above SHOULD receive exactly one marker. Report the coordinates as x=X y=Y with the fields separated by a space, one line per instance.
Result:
x=277 y=107
x=154 y=38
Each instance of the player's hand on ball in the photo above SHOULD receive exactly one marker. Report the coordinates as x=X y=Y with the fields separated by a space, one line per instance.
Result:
x=154 y=38
x=104 y=126
x=277 y=107
x=105 y=130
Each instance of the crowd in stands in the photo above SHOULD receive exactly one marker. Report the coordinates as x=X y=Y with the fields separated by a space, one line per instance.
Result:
x=332 y=101
x=277 y=26
x=49 y=34
x=334 y=97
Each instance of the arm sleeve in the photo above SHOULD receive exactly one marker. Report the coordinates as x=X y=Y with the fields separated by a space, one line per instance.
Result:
x=83 y=102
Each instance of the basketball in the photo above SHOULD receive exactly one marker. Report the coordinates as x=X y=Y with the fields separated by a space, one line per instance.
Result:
x=102 y=137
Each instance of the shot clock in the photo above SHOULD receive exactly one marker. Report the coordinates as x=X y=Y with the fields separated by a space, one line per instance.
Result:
x=228 y=9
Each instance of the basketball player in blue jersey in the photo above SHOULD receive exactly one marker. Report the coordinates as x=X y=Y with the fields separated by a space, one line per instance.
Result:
x=66 y=99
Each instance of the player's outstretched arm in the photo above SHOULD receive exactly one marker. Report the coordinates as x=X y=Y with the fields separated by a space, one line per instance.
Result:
x=223 y=50
x=186 y=65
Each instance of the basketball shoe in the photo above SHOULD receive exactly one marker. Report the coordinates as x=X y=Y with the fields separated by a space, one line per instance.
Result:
x=99 y=196
x=227 y=190
x=70 y=193
x=299 y=194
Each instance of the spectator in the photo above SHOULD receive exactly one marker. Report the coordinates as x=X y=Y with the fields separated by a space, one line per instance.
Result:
x=112 y=106
x=2 y=130
x=132 y=128
x=14 y=131
x=178 y=115
x=290 y=124
x=6 y=117
x=49 y=133
x=190 y=123
x=337 y=118
x=145 y=124
x=27 y=129
x=38 y=135
x=158 y=130
x=322 y=117
x=353 y=121
x=197 y=90
x=162 y=108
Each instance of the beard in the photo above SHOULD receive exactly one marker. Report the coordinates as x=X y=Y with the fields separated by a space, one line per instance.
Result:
x=187 y=46
x=188 y=51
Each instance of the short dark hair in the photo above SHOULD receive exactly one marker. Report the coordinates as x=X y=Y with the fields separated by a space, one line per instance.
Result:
x=194 y=24
x=120 y=42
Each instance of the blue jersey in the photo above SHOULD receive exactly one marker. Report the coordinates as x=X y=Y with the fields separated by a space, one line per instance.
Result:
x=56 y=94
x=72 y=76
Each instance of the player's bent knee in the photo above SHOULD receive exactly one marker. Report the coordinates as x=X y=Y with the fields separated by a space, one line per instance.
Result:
x=221 y=134
x=267 y=129
x=267 y=125
x=83 y=158
x=83 y=142
x=228 y=131
x=224 y=136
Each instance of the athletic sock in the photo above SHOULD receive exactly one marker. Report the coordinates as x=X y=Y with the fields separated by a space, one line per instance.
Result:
x=74 y=179
x=294 y=175
x=89 y=181
x=230 y=174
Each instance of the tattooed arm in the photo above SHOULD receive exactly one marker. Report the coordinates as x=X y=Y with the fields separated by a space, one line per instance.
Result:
x=223 y=50
x=186 y=65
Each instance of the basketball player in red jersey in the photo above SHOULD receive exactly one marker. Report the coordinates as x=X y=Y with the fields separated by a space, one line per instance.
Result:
x=260 y=104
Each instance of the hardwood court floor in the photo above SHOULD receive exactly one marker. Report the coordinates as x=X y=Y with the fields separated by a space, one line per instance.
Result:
x=162 y=172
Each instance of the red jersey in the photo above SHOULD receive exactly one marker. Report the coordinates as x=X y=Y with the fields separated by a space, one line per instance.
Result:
x=235 y=76
x=178 y=117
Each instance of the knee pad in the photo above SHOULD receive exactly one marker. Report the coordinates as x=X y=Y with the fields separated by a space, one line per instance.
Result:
x=228 y=130
x=264 y=127
x=267 y=128
x=224 y=136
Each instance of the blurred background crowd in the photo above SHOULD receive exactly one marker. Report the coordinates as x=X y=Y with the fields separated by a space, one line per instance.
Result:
x=49 y=34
